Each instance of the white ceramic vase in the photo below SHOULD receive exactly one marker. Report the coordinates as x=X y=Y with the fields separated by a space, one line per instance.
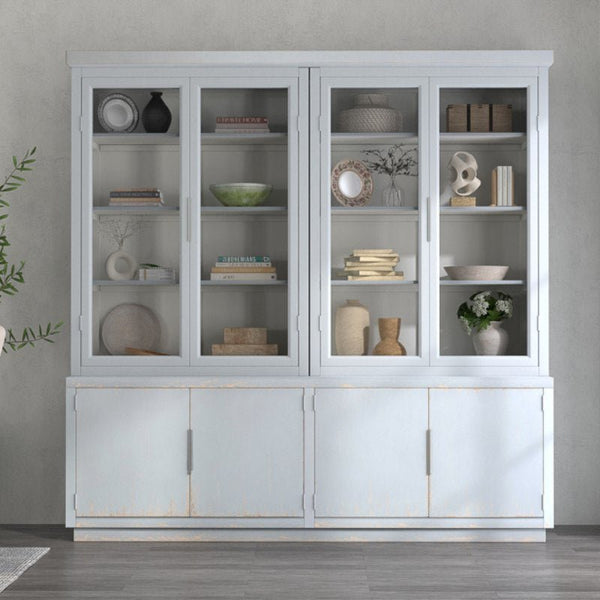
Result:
x=120 y=265
x=352 y=329
x=492 y=341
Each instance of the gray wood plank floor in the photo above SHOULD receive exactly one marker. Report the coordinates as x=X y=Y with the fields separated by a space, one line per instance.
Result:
x=567 y=567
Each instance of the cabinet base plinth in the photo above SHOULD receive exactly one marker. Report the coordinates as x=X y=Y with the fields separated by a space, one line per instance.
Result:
x=309 y=535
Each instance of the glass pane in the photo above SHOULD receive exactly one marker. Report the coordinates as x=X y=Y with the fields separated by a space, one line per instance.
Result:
x=374 y=221
x=136 y=229
x=244 y=234
x=483 y=212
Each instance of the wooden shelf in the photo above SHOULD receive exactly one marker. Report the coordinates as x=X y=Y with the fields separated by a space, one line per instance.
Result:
x=480 y=283
x=340 y=211
x=482 y=210
x=225 y=283
x=243 y=138
x=135 y=210
x=401 y=137
x=369 y=282
x=250 y=211
x=149 y=139
x=132 y=283
x=483 y=138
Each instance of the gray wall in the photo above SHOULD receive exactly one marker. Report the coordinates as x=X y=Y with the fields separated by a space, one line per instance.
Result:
x=34 y=109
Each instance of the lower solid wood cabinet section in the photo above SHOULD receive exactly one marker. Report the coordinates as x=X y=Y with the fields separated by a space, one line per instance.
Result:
x=325 y=458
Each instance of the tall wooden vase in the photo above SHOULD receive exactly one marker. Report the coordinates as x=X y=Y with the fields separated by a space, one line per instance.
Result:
x=352 y=329
x=389 y=331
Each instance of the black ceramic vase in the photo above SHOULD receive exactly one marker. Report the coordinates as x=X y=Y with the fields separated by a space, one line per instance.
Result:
x=156 y=117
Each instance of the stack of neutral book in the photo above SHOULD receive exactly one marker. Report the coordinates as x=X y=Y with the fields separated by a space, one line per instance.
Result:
x=136 y=197
x=503 y=187
x=242 y=125
x=371 y=264
x=243 y=268
x=244 y=341
x=151 y=272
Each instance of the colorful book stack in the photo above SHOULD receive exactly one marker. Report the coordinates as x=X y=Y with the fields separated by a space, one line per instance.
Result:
x=372 y=264
x=151 y=272
x=503 y=187
x=242 y=125
x=136 y=197
x=243 y=268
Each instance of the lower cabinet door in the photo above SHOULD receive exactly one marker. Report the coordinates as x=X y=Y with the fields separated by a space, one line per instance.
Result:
x=486 y=453
x=248 y=449
x=370 y=453
x=132 y=453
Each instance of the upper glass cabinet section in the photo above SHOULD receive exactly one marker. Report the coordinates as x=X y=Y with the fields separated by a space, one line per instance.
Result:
x=372 y=175
x=132 y=184
x=244 y=258
x=485 y=286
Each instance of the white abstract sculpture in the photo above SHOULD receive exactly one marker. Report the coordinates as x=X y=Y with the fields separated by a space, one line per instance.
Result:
x=466 y=181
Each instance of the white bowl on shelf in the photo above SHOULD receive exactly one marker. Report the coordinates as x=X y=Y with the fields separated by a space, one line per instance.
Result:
x=477 y=272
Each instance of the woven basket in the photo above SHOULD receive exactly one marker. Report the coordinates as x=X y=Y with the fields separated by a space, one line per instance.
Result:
x=370 y=114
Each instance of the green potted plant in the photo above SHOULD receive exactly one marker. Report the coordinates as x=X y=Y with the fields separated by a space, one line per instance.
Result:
x=11 y=275
x=481 y=316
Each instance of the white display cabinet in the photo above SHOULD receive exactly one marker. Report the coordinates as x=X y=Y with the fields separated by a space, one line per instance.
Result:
x=311 y=433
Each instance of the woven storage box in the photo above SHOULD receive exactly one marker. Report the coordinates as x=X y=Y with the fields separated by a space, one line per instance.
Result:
x=370 y=114
x=501 y=117
x=456 y=117
x=479 y=117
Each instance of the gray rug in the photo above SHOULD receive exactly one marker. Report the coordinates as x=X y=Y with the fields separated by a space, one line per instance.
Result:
x=15 y=561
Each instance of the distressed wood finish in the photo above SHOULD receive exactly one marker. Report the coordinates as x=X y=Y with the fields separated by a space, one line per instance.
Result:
x=131 y=453
x=487 y=452
x=370 y=453
x=248 y=453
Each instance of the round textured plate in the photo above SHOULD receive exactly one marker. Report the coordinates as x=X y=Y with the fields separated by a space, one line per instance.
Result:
x=118 y=113
x=357 y=191
x=130 y=325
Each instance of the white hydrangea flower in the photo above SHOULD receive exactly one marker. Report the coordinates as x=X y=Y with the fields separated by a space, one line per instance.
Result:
x=466 y=325
x=480 y=306
x=505 y=306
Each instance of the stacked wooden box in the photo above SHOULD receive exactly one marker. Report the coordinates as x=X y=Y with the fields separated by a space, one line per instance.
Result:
x=240 y=341
x=479 y=117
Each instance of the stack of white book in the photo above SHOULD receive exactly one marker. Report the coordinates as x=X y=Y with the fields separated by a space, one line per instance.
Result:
x=151 y=272
x=242 y=125
x=503 y=187
x=243 y=268
x=371 y=264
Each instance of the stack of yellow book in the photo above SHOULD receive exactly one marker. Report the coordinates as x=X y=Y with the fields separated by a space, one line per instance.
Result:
x=371 y=264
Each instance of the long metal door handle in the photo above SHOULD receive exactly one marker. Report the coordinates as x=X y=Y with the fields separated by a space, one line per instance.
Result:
x=429 y=219
x=188 y=219
x=190 y=451
x=428 y=452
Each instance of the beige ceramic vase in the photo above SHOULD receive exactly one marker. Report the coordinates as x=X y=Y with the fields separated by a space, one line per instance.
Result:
x=351 y=329
x=389 y=330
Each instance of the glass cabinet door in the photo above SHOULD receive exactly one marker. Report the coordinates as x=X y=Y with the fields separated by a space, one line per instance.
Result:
x=134 y=185
x=246 y=311
x=373 y=174
x=485 y=301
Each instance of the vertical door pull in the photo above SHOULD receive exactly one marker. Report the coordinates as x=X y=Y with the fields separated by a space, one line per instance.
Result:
x=428 y=452
x=190 y=451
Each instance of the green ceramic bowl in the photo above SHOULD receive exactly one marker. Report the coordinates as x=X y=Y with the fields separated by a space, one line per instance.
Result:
x=241 y=194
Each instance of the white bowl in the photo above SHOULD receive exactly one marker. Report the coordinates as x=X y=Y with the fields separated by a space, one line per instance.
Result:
x=477 y=272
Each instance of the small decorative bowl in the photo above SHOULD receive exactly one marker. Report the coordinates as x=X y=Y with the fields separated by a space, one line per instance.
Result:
x=241 y=194
x=477 y=272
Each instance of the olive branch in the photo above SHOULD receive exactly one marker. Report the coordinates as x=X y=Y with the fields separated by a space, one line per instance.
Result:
x=11 y=275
